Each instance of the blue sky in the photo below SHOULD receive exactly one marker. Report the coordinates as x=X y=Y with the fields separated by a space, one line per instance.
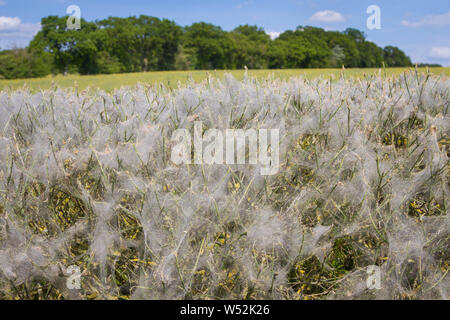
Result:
x=420 y=28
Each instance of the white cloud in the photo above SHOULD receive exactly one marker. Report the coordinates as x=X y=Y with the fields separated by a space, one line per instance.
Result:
x=440 y=53
x=14 y=28
x=2 y=3
x=273 y=35
x=7 y=23
x=430 y=20
x=327 y=16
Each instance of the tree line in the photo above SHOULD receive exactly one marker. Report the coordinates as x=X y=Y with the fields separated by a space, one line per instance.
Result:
x=135 y=44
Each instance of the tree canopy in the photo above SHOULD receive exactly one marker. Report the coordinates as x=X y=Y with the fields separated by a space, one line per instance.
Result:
x=144 y=43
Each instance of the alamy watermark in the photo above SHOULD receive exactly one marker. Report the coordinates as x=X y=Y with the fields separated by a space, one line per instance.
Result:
x=373 y=277
x=374 y=20
x=209 y=147
x=74 y=20
x=73 y=281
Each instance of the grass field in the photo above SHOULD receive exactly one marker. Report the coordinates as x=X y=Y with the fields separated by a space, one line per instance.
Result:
x=88 y=183
x=172 y=78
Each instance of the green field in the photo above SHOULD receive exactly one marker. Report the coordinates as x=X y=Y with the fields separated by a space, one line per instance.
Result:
x=173 y=78
x=92 y=187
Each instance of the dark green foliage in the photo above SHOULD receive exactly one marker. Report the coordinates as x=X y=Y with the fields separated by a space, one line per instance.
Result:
x=211 y=47
x=251 y=46
x=144 y=43
x=431 y=65
x=23 y=63
x=394 y=57
x=302 y=48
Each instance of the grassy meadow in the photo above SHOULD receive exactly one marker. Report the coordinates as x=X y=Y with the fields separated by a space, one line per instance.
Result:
x=173 y=78
x=87 y=183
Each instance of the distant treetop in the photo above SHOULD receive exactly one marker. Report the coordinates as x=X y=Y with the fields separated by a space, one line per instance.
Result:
x=134 y=44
